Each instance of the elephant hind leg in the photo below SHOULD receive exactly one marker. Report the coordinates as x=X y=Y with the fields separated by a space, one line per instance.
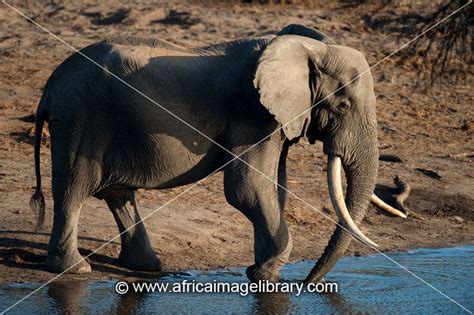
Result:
x=63 y=254
x=136 y=252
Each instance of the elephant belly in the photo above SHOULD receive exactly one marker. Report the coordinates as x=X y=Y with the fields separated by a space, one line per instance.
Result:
x=163 y=161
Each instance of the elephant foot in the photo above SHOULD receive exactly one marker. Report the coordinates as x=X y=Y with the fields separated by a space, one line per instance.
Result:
x=270 y=269
x=256 y=274
x=139 y=260
x=72 y=263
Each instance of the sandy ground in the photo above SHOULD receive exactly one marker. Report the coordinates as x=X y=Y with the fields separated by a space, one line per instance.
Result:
x=199 y=229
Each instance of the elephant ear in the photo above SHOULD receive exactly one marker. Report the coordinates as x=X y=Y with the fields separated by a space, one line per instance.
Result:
x=297 y=29
x=283 y=80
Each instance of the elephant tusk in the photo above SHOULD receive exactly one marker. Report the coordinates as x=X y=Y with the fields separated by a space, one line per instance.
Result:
x=337 y=199
x=384 y=206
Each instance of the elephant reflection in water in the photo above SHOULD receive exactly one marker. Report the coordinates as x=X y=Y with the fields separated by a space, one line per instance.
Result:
x=70 y=297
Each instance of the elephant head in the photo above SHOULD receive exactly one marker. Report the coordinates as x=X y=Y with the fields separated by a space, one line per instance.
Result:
x=325 y=92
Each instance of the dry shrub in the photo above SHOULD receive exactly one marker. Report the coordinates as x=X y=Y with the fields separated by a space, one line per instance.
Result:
x=446 y=50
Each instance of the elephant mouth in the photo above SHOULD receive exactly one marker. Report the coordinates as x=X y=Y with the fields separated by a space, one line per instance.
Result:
x=339 y=204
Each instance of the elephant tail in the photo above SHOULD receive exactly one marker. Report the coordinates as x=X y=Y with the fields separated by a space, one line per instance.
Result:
x=37 y=203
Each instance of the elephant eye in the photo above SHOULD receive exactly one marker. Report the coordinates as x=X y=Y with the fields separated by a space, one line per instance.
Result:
x=344 y=105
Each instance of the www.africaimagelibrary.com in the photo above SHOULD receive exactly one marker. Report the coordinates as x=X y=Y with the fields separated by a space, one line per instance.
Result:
x=242 y=288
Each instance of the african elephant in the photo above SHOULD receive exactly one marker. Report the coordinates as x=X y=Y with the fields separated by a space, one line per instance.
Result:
x=129 y=113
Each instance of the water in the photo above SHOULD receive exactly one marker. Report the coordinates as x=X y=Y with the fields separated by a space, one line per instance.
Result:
x=370 y=284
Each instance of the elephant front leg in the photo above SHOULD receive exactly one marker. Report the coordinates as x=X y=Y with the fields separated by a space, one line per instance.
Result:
x=255 y=194
x=136 y=252
x=272 y=240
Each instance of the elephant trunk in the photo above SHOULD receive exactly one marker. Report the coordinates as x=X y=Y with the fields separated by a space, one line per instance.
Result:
x=361 y=176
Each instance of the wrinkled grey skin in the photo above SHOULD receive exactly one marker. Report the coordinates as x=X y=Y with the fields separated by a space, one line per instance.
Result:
x=107 y=140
